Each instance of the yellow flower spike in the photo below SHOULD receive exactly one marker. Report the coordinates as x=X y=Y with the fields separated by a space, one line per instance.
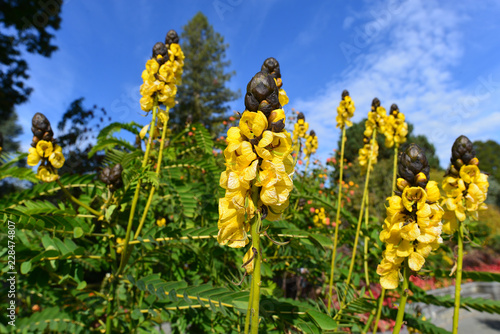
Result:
x=44 y=148
x=416 y=261
x=33 y=157
x=57 y=159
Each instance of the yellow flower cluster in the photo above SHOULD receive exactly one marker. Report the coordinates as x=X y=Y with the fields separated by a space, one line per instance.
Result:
x=370 y=146
x=396 y=129
x=376 y=119
x=311 y=144
x=345 y=110
x=162 y=75
x=319 y=218
x=51 y=157
x=300 y=128
x=465 y=195
x=411 y=230
x=257 y=156
x=161 y=222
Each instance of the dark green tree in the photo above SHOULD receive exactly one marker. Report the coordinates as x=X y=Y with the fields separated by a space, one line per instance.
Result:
x=489 y=160
x=25 y=25
x=203 y=93
x=78 y=128
x=10 y=130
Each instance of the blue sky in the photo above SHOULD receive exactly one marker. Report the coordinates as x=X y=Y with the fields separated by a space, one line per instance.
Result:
x=439 y=61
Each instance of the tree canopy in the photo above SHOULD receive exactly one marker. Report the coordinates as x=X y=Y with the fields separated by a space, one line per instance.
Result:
x=203 y=94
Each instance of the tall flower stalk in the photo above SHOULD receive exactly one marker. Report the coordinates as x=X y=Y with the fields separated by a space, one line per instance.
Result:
x=160 y=79
x=345 y=111
x=413 y=225
x=395 y=135
x=466 y=189
x=257 y=179
x=367 y=158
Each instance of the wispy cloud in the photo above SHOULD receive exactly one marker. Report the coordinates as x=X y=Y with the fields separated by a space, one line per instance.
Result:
x=407 y=54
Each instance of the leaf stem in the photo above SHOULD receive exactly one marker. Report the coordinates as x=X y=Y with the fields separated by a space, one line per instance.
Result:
x=256 y=275
x=363 y=200
x=76 y=201
x=125 y=253
x=458 y=280
x=153 y=188
x=337 y=220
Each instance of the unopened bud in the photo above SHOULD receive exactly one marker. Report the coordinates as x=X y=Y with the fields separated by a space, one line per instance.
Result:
x=401 y=184
x=171 y=37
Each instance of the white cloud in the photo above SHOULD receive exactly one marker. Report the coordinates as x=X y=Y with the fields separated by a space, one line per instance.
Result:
x=406 y=56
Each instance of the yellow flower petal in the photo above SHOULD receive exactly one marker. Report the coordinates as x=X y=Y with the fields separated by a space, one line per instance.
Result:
x=33 y=157
x=416 y=261
x=44 y=148
x=405 y=248
x=390 y=281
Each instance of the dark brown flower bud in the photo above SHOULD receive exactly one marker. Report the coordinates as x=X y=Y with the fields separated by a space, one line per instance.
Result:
x=312 y=133
x=112 y=176
x=262 y=94
x=413 y=166
x=344 y=94
x=272 y=67
x=277 y=126
x=301 y=116
x=171 y=37
x=394 y=109
x=375 y=103
x=41 y=129
x=462 y=152
x=160 y=49
x=104 y=175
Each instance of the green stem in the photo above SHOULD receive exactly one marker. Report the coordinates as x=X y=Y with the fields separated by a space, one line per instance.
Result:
x=109 y=308
x=76 y=201
x=363 y=200
x=153 y=188
x=249 y=310
x=337 y=220
x=382 y=293
x=379 y=310
x=365 y=257
x=458 y=280
x=402 y=300
x=394 y=171
x=256 y=275
x=125 y=253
